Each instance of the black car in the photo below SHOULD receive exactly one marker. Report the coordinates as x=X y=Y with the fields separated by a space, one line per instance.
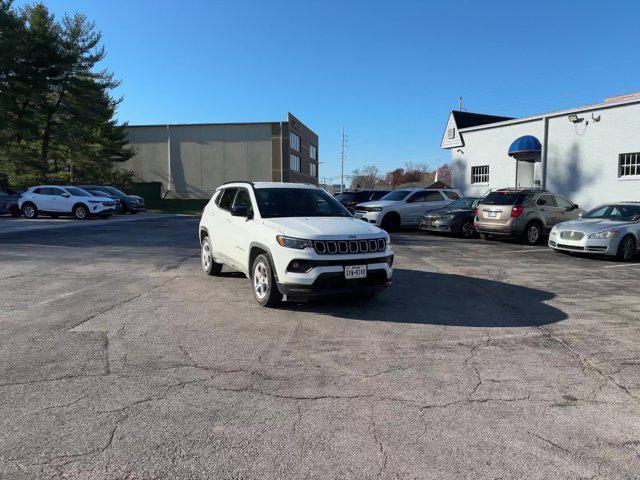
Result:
x=350 y=199
x=128 y=203
x=456 y=218
x=9 y=202
x=101 y=192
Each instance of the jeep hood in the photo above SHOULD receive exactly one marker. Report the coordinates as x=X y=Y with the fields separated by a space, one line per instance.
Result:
x=313 y=228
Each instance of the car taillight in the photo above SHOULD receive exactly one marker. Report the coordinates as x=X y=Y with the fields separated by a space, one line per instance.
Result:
x=517 y=211
x=476 y=214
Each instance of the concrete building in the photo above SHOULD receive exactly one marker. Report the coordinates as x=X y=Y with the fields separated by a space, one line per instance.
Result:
x=590 y=154
x=192 y=160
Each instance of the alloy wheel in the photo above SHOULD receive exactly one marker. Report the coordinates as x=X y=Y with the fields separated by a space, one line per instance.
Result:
x=261 y=280
x=533 y=234
x=467 y=229
x=81 y=212
x=29 y=211
x=206 y=256
x=628 y=249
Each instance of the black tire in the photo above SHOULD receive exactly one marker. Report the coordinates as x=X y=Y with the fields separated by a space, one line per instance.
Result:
x=209 y=265
x=532 y=234
x=81 y=212
x=390 y=222
x=263 y=282
x=29 y=210
x=467 y=230
x=627 y=249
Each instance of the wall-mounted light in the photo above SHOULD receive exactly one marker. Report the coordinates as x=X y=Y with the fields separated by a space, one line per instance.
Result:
x=595 y=118
x=575 y=119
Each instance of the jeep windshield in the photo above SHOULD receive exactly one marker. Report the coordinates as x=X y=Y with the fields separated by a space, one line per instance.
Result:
x=396 y=195
x=622 y=213
x=298 y=202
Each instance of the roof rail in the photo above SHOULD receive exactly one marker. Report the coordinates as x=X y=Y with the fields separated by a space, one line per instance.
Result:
x=238 y=181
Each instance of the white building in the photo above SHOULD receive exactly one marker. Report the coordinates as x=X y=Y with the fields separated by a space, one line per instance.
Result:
x=589 y=154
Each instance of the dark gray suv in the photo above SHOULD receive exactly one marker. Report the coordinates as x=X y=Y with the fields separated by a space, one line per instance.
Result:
x=528 y=214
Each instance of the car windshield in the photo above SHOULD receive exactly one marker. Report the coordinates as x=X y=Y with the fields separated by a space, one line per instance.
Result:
x=396 y=195
x=298 y=202
x=623 y=213
x=77 y=192
x=350 y=197
x=99 y=193
x=461 y=203
x=503 y=198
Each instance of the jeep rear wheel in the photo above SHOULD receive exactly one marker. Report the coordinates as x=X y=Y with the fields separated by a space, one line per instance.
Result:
x=265 y=290
x=209 y=265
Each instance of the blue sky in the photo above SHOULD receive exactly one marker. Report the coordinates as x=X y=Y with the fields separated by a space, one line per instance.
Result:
x=389 y=72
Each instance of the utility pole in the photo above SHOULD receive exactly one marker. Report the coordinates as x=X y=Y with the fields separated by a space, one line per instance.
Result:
x=342 y=162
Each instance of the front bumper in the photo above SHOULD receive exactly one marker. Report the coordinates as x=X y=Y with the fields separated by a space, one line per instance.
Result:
x=100 y=209
x=598 y=246
x=371 y=217
x=324 y=274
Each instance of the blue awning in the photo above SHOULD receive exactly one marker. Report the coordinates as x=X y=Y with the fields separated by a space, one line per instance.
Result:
x=525 y=145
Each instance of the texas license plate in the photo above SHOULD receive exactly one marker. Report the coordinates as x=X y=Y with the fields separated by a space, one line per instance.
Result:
x=355 y=271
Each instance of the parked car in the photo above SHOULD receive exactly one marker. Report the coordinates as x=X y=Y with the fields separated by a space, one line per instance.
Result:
x=611 y=229
x=405 y=207
x=9 y=202
x=294 y=240
x=527 y=214
x=130 y=203
x=456 y=218
x=98 y=192
x=352 y=198
x=55 y=201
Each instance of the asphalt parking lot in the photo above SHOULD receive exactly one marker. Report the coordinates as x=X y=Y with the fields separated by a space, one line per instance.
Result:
x=120 y=359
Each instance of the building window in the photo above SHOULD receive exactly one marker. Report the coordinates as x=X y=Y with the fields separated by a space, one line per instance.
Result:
x=294 y=162
x=313 y=152
x=451 y=132
x=313 y=169
x=629 y=165
x=480 y=174
x=294 y=141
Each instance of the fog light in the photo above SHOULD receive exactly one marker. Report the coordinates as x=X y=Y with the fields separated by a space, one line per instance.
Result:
x=295 y=266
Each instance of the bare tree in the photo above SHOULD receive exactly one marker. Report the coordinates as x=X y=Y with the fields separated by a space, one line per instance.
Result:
x=367 y=177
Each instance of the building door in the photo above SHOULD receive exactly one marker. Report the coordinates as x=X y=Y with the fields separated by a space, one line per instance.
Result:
x=524 y=174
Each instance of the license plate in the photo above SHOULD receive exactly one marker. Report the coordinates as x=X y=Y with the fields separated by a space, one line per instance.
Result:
x=492 y=214
x=355 y=271
x=357 y=215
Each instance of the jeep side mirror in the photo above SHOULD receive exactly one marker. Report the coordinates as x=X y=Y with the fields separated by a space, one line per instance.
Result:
x=241 y=211
x=574 y=206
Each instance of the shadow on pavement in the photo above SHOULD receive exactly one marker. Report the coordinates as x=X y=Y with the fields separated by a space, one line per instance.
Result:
x=441 y=299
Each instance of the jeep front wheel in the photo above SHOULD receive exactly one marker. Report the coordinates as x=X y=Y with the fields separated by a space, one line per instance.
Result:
x=265 y=290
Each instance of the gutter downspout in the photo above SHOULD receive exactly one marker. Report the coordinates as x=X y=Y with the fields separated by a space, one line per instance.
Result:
x=543 y=156
x=168 y=162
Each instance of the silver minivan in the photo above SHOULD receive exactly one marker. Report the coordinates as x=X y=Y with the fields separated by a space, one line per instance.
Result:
x=528 y=214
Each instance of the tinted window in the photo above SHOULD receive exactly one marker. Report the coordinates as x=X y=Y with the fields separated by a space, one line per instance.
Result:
x=298 y=202
x=39 y=191
x=396 y=195
x=55 y=191
x=426 y=197
x=353 y=197
x=463 y=203
x=452 y=195
x=76 y=192
x=503 y=198
x=563 y=202
x=242 y=198
x=114 y=191
x=546 y=200
x=227 y=198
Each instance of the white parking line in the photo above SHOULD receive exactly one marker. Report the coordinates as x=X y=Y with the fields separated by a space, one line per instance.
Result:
x=530 y=250
x=623 y=265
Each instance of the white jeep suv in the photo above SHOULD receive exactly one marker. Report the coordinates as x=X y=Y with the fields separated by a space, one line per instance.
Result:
x=55 y=200
x=294 y=240
x=405 y=207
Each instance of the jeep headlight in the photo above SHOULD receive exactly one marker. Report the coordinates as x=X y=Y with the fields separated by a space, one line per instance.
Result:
x=387 y=241
x=290 y=242
x=605 y=234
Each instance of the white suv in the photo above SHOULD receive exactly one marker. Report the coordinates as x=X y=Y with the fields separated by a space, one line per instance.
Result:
x=405 y=207
x=55 y=200
x=294 y=240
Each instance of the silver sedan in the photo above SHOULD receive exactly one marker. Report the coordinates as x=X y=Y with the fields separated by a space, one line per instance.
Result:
x=612 y=229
